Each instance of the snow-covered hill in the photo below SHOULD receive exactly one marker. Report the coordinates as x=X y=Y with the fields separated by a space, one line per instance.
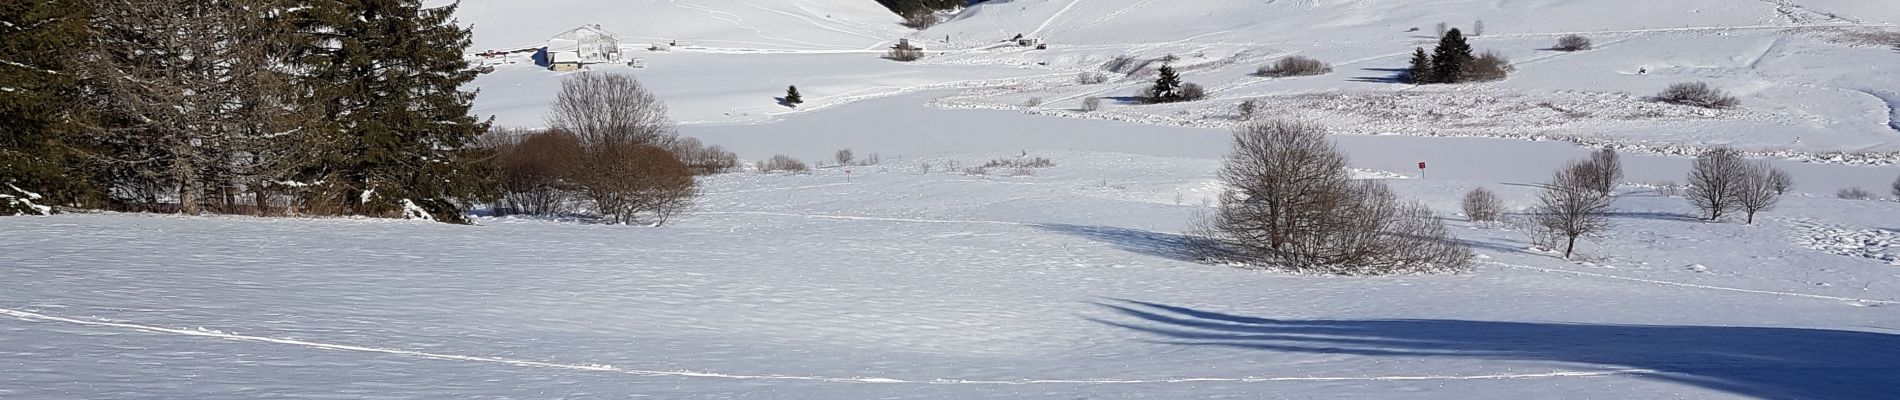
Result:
x=1811 y=76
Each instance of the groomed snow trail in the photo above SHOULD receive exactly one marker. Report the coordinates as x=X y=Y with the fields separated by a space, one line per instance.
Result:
x=38 y=317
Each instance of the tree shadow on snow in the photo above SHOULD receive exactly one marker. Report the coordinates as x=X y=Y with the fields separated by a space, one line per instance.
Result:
x=1393 y=75
x=1164 y=245
x=781 y=101
x=1778 y=363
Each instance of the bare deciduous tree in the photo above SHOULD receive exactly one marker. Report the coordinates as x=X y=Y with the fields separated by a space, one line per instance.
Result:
x=783 y=163
x=1482 y=206
x=1569 y=207
x=1756 y=192
x=1292 y=203
x=632 y=183
x=1715 y=181
x=1606 y=171
x=844 y=157
x=609 y=109
x=1781 y=181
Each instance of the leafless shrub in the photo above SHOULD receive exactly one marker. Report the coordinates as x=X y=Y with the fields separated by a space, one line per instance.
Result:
x=536 y=170
x=1090 y=78
x=904 y=54
x=1573 y=43
x=1482 y=206
x=1570 y=208
x=1854 y=193
x=1756 y=192
x=871 y=159
x=1477 y=28
x=923 y=168
x=1091 y=103
x=1292 y=203
x=631 y=182
x=1539 y=236
x=1698 y=94
x=1715 y=181
x=702 y=159
x=1295 y=66
x=1023 y=171
x=783 y=163
x=976 y=171
x=1020 y=162
x=1669 y=188
x=1192 y=92
x=1033 y=102
x=921 y=19
x=1248 y=109
x=1489 y=66
x=1443 y=28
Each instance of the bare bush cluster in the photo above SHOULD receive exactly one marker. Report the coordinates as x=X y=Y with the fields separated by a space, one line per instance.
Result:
x=1248 y=109
x=611 y=146
x=1488 y=66
x=1090 y=78
x=782 y=163
x=1295 y=66
x=905 y=54
x=1020 y=162
x=1853 y=193
x=1192 y=91
x=921 y=19
x=1293 y=204
x=1573 y=43
x=1482 y=206
x=1698 y=94
x=1091 y=104
x=1721 y=181
x=1033 y=102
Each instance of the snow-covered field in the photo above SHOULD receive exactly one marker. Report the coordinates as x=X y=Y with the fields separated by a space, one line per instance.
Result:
x=887 y=282
x=913 y=280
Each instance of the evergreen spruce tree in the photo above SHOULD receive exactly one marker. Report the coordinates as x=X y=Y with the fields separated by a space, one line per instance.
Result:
x=1167 y=86
x=1421 y=70
x=792 y=97
x=36 y=36
x=1451 y=57
x=391 y=73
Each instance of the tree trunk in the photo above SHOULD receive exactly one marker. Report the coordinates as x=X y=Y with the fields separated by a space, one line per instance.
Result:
x=187 y=176
x=1572 y=246
x=1751 y=217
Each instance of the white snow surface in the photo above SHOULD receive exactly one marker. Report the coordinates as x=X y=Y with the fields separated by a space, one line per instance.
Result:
x=901 y=281
x=886 y=282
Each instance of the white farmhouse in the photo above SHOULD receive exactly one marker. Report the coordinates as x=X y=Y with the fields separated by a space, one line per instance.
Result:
x=588 y=44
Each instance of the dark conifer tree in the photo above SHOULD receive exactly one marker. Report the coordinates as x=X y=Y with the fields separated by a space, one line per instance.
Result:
x=792 y=97
x=36 y=37
x=1451 y=57
x=1167 y=86
x=1421 y=70
x=391 y=73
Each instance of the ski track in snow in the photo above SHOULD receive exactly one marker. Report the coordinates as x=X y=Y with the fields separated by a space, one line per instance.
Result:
x=1052 y=18
x=201 y=332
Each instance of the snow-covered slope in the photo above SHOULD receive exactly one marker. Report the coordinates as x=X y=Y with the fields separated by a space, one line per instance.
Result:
x=755 y=24
x=1810 y=80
